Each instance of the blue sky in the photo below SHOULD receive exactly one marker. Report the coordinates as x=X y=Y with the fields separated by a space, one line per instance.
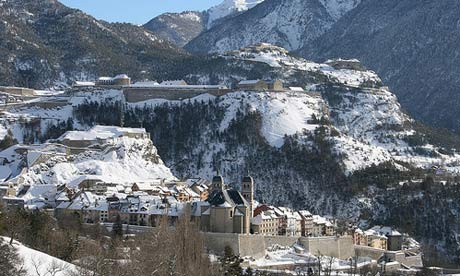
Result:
x=136 y=11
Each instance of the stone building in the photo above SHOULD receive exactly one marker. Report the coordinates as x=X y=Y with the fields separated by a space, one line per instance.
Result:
x=228 y=211
x=379 y=237
x=265 y=223
x=118 y=80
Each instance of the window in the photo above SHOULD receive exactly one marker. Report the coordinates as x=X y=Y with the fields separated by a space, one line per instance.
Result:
x=231 y=214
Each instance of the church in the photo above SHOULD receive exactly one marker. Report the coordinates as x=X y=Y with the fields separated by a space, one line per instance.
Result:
x=228 y=210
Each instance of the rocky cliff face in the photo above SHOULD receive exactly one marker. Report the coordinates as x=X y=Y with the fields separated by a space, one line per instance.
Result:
x=411 y=45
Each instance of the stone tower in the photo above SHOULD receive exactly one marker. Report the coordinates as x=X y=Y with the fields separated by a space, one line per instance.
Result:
x=217 y=183
x=248 y=192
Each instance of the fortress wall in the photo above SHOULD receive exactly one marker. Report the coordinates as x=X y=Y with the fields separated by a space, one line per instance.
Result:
x=143 y=94
x=339 y=247
x=254 y=246
x=280 y=240
x=216 y=242
x=366 y=251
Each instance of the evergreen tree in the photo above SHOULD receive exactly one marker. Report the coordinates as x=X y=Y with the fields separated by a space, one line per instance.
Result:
x=231 y=263
x=117 y=228
x=8 y=141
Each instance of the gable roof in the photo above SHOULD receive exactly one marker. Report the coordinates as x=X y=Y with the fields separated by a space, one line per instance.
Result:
x=226 y=198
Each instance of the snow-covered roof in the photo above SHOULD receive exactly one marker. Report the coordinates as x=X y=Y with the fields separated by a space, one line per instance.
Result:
x=145 y=84
x=174 y=82
x=105 y=78
x=84 y=83
x=121 y=76
x=384 y=230
x=264 y=216
x=247 y=82
x=297 y=89
x=5 y=173
x=40 y=191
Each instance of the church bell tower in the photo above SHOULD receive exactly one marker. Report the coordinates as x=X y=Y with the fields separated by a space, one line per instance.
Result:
x=248 y=192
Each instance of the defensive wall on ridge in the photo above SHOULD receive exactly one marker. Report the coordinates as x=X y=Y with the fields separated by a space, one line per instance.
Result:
x=134 y=95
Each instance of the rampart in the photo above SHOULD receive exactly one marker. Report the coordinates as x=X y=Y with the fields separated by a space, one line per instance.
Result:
x=133 y=95
x=256 y=245
x=339 y=247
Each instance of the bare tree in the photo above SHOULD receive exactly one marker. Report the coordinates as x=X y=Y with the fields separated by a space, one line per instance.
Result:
x=328 y=270
x=319 y=258
x=52 y=269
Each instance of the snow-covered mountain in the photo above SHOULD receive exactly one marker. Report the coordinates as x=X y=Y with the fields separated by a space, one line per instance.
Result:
x=181 y=28
x=229 y=7
x=291 y=24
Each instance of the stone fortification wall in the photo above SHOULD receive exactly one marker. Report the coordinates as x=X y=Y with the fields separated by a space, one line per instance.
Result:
x=216 y=242
x=280 y=240
x=366 y=251
x=133 y=95
x=339 y=247
x=256 y=245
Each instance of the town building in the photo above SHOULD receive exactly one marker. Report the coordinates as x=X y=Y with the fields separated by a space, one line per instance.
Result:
x=379 y=237
x=306 y=223
x=265 y=223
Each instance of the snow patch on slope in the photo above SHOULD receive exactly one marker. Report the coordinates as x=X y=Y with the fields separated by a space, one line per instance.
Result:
x=282 y=113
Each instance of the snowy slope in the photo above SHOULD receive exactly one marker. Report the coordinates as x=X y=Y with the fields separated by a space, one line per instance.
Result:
x=36 y=263
x=126 y=159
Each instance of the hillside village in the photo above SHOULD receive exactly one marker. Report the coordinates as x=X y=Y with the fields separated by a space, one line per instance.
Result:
x=216 y=207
